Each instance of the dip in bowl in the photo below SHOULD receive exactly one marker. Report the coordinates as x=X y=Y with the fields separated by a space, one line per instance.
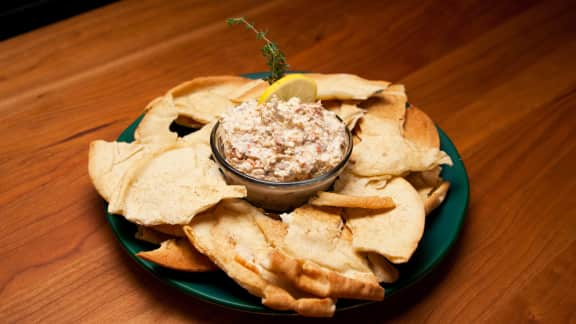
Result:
x=282 y=151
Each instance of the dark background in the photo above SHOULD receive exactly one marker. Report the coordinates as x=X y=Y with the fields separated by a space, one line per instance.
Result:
x=20 y=16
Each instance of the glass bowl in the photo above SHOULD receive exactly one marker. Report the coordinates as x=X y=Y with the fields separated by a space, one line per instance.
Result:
x=277 y=196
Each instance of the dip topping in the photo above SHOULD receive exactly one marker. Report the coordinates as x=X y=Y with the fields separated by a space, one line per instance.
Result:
x=282 y=141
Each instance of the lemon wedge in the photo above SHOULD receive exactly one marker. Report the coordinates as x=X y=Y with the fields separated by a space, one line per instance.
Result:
x=292 y=85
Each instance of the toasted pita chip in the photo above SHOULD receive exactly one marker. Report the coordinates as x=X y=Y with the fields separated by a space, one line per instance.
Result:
x=203 y=99
x=109 y=161
x=150 y=235
x=394 y=90
x=431 y=187
x=385 y=271
x=178 y=254
x=252 y=91
x=346 y=86
x=171 y=187
x=340 y=200
x=155 y=126
x=223 y=85
x=248 y=87
x=199 y=137
x=201 y=107
x=314 y=252
x=436 y=197
x=392 y=233
x=349 y=113
x=107 y=164
x=420 y=129
x=229 y=236
x=322 y=281
x=383 y=149
x=353 y=185
x=387 y=108
x=318 y=235
x=392 y=154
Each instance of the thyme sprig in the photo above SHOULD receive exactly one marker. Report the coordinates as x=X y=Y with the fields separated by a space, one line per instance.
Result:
x=275 y=58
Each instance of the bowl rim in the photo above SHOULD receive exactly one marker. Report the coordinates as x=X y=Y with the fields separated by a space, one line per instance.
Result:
x=324 y=176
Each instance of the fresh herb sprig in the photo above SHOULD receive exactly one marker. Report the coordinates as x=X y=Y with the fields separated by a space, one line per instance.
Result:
x=275 y=59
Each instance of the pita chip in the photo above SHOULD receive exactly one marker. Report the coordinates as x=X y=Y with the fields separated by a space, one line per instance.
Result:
x=229 y=236
x=420 y=129
x=384 y=150
x=349 y=113
x=314 y=252
x=178 y=254
x=172 y=187
x=203 y=99
x=155 y=126
x=382 y=268
x=333 y=199
x=393 y=233
x=109 y=161
x=345 y=86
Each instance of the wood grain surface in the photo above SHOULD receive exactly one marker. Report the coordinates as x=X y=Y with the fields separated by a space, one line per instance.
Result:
x=498 y=76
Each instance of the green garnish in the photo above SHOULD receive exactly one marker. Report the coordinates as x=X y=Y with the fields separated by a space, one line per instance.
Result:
x=275 y=59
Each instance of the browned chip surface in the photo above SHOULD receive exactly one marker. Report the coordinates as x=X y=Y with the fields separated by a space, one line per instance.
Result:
x=340 y=200
x=178 y=254
x=420 y=129
x=392 y=233
x=314 y=252
x=229 y=236
x=344 y=86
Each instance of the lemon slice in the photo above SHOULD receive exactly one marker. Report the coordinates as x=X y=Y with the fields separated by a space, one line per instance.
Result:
x=292 y=85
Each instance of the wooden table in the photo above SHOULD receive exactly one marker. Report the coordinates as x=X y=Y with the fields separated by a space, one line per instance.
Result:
x=499 y=77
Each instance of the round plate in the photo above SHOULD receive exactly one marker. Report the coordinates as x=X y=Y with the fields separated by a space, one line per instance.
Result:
x=441 y=232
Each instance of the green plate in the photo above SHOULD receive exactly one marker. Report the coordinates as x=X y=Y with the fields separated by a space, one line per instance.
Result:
x=441 y=232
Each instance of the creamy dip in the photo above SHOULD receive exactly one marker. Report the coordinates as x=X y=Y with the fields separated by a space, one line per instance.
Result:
x=282 y=141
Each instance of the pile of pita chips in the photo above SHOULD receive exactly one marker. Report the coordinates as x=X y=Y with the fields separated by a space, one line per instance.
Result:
x=159 y=178
x=383 y=148
x=341 y=244
x=230 y=237
x=315 y=254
